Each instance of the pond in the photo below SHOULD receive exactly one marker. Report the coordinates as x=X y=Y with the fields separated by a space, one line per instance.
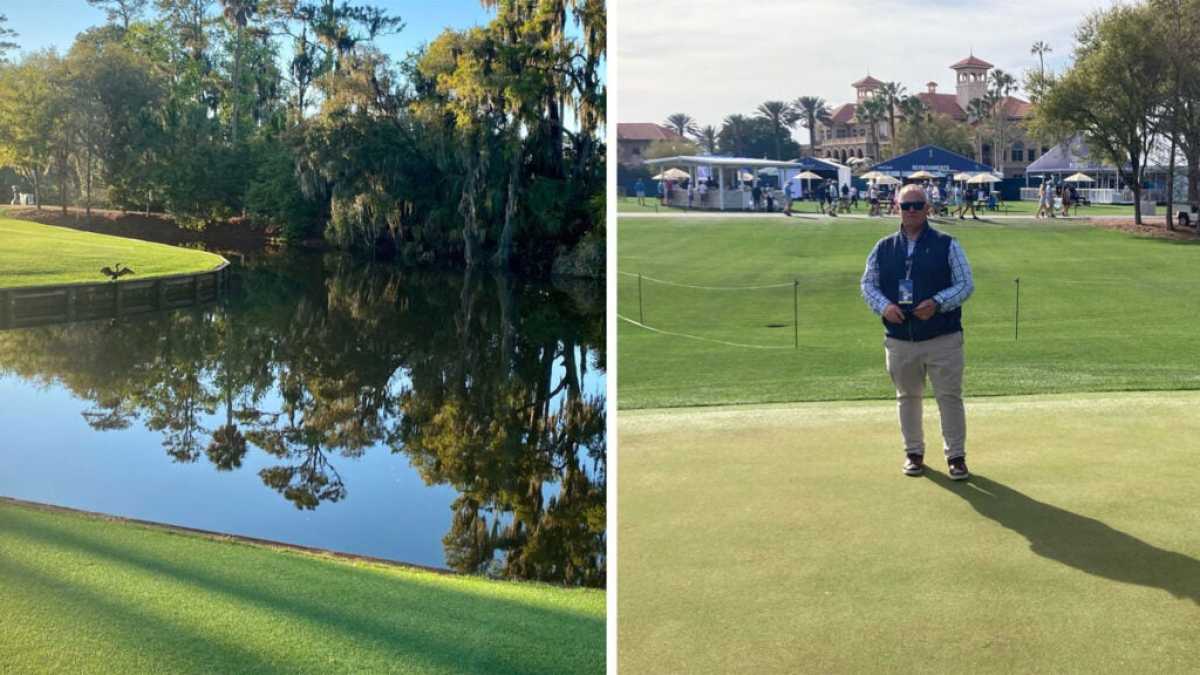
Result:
x=452 y=420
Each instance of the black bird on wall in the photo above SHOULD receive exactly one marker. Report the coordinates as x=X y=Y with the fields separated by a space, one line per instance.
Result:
x=114 y=274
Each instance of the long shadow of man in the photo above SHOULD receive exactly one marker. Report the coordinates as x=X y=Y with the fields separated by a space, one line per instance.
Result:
x=1081 y=542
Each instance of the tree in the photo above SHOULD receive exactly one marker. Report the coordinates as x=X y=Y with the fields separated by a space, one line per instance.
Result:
x=6 y=34
x=1181 y=116
x=872 y=111
x=734 y=137
x=812 y=110
x=681 y=123
x=126 y=11
x=707 y=136
x=1041 y=49
x=237 y=13
x=31 y=107
x=781 y=117
x=1113 y=92
x=1001 y=85
x=934 y=129
x=892 y=93
x=670 y=147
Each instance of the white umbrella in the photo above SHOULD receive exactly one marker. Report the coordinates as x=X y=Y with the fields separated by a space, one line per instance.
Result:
x=888 y=180
x=672 y=174
x=1079 y=178
x=983 y=178
x=962 y=176
x=808 y=175
x=923 y=175
x=745 y=176
x=872 y=175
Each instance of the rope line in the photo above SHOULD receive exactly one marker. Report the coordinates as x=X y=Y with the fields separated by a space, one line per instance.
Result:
x=696 y=337
x=707 y=288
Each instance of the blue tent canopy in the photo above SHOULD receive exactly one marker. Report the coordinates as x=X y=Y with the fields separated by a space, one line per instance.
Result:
x=815 y=165
x=929 y=158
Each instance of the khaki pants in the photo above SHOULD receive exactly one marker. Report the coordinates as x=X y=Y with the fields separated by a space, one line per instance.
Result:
x=908 y=363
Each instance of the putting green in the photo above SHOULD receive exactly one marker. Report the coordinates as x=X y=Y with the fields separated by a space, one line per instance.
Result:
x=784 y=538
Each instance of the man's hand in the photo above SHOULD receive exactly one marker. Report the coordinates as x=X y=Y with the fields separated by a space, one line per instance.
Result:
x=893 y=314
x=925 y=310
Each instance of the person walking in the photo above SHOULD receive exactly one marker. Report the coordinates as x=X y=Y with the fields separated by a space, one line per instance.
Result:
x=639 y=188
x=917 y=280
x=854 y=197
x=873 y=200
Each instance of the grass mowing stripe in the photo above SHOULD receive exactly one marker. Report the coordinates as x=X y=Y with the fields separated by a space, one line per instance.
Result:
x=191 y=604
x=34 y=254
x=696 y=337
x=1100 y=311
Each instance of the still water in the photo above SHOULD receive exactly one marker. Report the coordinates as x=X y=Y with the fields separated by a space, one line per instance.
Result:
x=452 y=420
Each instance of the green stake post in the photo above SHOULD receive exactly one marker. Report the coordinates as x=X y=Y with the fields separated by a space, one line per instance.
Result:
x=641 y=317
x=796 y=311
x=1017 y=317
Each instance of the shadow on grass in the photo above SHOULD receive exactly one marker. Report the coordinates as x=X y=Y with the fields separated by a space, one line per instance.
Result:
x=413 y=623
x=1078 y=541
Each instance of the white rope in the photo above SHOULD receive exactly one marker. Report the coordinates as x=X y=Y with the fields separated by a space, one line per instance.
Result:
x=695 y=337
x=707 y=288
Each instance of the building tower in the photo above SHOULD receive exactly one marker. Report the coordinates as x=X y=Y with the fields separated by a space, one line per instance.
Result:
x=971 y=79
x=865 y=87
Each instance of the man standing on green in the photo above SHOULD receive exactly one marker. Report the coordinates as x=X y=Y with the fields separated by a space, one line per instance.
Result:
x=917 y=280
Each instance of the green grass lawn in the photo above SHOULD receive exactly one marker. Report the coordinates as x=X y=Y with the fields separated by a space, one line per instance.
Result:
x=785 y=539
x=87 y=595
x=34 y=254
x=1100 y=310
x=630 y=205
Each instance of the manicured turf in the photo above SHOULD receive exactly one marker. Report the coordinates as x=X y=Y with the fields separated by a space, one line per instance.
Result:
x=785 y=539
x=1100 y=310
x=630 y=205
x=87 y=595
x=34 y=254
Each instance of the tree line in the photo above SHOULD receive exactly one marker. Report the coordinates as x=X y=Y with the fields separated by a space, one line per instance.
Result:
x=481 y=147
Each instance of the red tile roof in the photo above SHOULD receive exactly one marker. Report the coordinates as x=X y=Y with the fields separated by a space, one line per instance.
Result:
x=867 y=81
x=843 y=114
x=644 y=131
x=943 y=104
x=972 y=61
x=1015 y=107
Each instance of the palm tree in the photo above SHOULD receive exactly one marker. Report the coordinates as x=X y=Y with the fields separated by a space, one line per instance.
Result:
x=914 y=111
x=707 y=136
x=781 y=116
x=872 y=111
x=1041 y=49
x=238 y=13
x=733 y=134
x=978 y=111
x=1002 y=84
x=812 y=109
x=681 y=123
x=892 y=93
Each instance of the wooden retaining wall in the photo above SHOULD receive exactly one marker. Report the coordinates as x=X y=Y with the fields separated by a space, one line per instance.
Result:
x=40 y=305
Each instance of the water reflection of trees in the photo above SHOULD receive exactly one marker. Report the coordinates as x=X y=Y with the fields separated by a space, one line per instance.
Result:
x=478 y=380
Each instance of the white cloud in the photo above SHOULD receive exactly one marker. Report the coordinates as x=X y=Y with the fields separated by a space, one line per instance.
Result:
x=712 y=58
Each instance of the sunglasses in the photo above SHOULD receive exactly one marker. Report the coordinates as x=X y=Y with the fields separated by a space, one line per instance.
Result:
x=912 y=206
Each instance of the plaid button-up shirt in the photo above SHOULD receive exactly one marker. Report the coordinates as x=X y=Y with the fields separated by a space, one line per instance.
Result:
x=948 y=299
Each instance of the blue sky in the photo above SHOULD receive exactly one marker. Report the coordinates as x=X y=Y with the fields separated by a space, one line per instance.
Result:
x=55 y=23
x=712 y=58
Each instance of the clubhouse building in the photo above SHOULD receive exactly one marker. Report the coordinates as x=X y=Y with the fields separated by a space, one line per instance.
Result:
x=844 y=137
